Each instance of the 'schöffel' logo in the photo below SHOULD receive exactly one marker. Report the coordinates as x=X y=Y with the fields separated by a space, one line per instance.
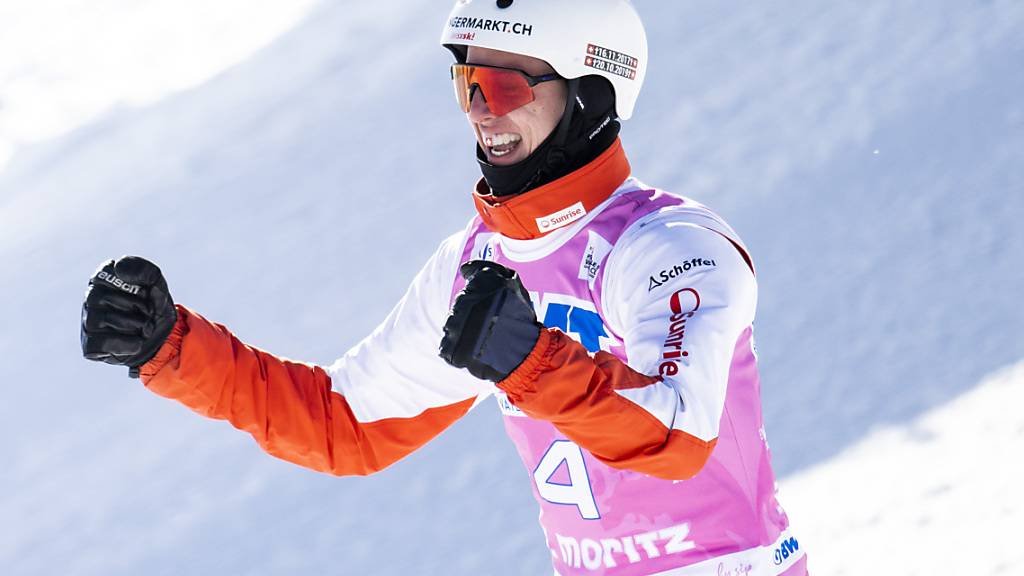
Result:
x=787 y=549
x=561 y=218
x=118 y=283
x=683 y=304
x=668 y=274
x=606 y=60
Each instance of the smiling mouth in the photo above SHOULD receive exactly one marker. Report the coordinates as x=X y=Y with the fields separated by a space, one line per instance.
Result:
x=502 y=144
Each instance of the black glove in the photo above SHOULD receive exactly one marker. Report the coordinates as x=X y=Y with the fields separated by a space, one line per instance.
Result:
x=127 y=314
x=492 y=327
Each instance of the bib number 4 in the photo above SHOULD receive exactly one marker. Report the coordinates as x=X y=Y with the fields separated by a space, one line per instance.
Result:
x=573 y=487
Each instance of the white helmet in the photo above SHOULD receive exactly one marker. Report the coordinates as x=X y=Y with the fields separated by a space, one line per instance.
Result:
x=576 y=37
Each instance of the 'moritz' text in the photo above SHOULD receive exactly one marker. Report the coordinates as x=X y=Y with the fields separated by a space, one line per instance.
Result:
x=611 y=552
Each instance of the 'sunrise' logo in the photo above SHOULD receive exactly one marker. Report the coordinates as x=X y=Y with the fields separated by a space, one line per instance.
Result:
x=684 y=305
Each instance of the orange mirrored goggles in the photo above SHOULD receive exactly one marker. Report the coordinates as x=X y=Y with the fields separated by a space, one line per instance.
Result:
x=504 y=89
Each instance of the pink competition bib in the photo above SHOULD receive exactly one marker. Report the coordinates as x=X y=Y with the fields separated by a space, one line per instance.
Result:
x=600 y=520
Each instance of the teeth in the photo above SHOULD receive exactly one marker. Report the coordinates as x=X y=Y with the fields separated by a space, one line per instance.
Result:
x=502 y=140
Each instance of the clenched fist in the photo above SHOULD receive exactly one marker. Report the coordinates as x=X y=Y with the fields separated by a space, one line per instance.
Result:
x=127 y=314
x=492 y=327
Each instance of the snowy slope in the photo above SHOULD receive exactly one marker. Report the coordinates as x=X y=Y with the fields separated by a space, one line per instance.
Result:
x=870 y=154
x=945 y=502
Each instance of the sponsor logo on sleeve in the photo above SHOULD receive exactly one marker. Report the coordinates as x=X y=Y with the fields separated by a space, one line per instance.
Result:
x=684 y=305
x=593 y=257
x=612 y=62
x=668 y=274
x=561 y=218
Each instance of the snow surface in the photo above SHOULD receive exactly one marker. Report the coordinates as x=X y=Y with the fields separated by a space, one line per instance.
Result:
x=870 y=153
x=927 y=494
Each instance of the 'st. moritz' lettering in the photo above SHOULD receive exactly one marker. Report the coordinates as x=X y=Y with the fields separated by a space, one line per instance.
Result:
x=611 y=552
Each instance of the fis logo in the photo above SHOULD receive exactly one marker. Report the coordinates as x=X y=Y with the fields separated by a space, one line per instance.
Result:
x=483 y=247
x=575 y=317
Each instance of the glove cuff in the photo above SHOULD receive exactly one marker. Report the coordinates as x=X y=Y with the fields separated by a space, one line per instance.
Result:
x=170 y=349
x=522 y=380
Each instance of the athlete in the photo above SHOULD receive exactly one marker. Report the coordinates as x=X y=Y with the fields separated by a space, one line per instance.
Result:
x=610 y=320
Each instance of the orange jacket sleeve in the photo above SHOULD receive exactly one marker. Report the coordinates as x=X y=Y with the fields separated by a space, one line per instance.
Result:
x=288 y=407
x=561 y=383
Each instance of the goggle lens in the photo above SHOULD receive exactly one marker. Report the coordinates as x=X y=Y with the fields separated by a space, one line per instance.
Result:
x=504 y=89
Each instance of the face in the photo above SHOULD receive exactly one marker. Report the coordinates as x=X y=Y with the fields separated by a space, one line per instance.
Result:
x=511 y=138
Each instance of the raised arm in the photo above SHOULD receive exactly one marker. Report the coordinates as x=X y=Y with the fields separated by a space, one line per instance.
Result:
x=385 y=398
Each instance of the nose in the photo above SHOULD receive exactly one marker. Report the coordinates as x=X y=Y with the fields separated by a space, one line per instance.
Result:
x=479 y=111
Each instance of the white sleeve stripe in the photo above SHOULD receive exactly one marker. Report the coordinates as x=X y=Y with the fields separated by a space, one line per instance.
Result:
x=662 y=402
x=657 y=399
x=395 y=372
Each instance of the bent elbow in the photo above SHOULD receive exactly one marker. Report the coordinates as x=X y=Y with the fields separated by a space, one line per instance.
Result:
x=680 y=457
x=687 y=463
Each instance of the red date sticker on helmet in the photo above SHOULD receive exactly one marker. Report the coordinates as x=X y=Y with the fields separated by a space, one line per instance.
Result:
x=612 y=62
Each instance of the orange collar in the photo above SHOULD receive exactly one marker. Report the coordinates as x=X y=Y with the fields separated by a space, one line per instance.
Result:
x=557 y=204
